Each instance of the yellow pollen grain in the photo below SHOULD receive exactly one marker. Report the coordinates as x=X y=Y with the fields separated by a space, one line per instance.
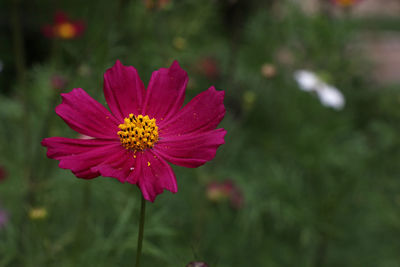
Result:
x=138 y=133
x=148 y=164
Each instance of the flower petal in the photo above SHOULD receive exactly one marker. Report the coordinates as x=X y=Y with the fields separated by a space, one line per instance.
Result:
x=203 y=113
x=79 y=27
x=307 y=80
x=80 y=155
x=190 y=150
x=121 y=166
x=123 y=90
x=87 y=116
x=154 y=175
x=166 y=92
x=48 y=31
x=60 y=17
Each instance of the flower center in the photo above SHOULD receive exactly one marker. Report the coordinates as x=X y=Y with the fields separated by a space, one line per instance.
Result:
x=66 y=30
x=138 y=132
x=346 y=2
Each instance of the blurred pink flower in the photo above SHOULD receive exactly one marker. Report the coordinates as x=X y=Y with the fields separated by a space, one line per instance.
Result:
x=3 y=218
x=63 y=27
x=197 y=264
x=3 y=173
x=268 y=70
x=208 y=66
x=145 y=129
x=158 y=4
x=345 y=3
x=223 y=191
x=58 y=82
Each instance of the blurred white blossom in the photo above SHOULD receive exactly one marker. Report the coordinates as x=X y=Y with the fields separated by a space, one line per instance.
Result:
x=307 y=80
x=329 y=95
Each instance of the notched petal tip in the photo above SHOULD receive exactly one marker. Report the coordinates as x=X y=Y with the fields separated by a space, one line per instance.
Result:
x=175 y=64
x=118 y=63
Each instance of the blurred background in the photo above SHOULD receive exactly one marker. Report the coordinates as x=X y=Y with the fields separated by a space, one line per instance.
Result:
x=309 y=174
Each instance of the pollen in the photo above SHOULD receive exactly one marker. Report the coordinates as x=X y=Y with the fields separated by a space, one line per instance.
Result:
x=138 y=133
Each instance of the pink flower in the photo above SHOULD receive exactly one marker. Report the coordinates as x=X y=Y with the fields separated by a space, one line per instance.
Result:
x=3 y=173
x=58 y=82
x=197 y=264
x=145 y=129
x=3 y=218
x=159 y=4
x=208 y=66
x=345 y=3
x=225 y=190
x=63 y=27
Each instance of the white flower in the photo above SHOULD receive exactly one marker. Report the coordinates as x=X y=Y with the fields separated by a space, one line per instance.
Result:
x=328 y=95
x=307 y=80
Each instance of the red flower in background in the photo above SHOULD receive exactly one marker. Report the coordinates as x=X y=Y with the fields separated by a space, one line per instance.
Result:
x=3 y=218
x=225 y=190
x=197 y=264
x=63 y=27
x=208 y=66
x=159 y=4
x=345 y=3
x=3 y=173
x=145 y=129
x=58 y=82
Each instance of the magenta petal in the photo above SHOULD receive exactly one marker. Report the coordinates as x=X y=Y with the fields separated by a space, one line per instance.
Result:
x=121 y=165
x=87 y=116
x=60 y=17
x=190 y=150
x=154 y=175
x=79 y=27
x=48 y=31
x=59 y=147
x=80 y=155
x=123 y=90
x=166 y=92
x=203 y=113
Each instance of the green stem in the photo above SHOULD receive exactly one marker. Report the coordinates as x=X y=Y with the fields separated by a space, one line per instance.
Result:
x=141 y=230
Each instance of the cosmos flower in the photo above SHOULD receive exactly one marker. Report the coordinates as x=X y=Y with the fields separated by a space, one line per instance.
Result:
x=63 y=27
x=3 y=173
x=58 y=82
x=197 y=264
x=268 y=70
x=3 y=218
x=223 y=191
x=145 y=129
x=345 y=3
x=209 y=67
x=328 y=95
x=159 y=4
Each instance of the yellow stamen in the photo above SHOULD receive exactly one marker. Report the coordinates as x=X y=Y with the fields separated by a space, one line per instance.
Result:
x=138 y=132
